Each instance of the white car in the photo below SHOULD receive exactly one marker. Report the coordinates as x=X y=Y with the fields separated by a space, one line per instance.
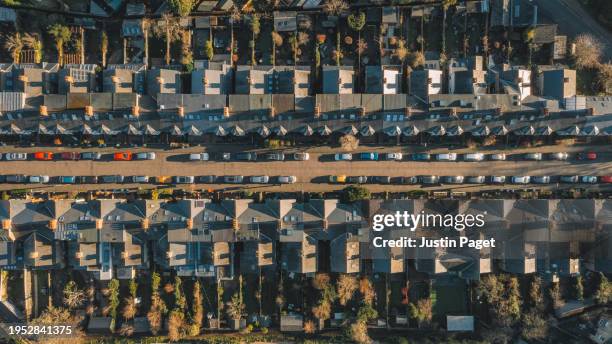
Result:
x=16 y=156
x=521 y=179
x=199 y=157
x=394 y=156
x=473 y=157
x=446 y=157
x=145 y=156
x=343 y=157
x=560 y=156
x=287 y=179
x=498 y=157
x=497 y=179
x=259 y=179
x=38 y=179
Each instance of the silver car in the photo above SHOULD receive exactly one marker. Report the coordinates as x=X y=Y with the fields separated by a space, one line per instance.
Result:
x=140 y=179
x=343 y=157
x=287 y=179
x=259 y=179
x=475 y=179
x=145 y=156
x=560 y=156
x=473 y=157
x=520 y=179
x=16 y=156
x=394 y=156
x=199 y=157
x=301 y=156
x=498 y=157
x=497 y=179
x=533 y=156
x=446 y=157
x=588 y=179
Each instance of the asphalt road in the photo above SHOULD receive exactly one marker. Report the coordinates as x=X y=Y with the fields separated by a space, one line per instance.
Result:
x=573 y=20
x=312 y=174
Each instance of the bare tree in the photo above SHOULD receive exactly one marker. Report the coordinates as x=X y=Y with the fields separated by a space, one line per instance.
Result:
x=73 y=296
x=347 y=286
x=587 y=52
x=167 y=27
x=335 y=7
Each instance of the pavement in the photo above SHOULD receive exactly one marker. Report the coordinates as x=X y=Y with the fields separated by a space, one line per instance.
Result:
x=312 y=174
x=573 y=19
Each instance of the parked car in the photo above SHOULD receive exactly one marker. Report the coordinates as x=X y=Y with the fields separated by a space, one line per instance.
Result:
x=122 y=156
x=301 y=156
x=429 y=180
x=15 y=156
x=38 y=179
x=533 y=156
x=144 y=156
x=605 y=179
x=87 y=179
x=446 y=157
x=111 y=179
x=66 y=179
x=380 y=179
x=226 y=156
x=163 y=179
x=568 y=179
x=473 y=157
x=475 y=179
x=43 y=156
x=452 y=180
x=206 y=179
x=15 y=178
x=357 y=179
x=587 y=156
x=588 y=179
x=520 y=179
x=70 y=156
x=540 y=179
x=394 y=156
x=497 y=179
x=421 y=156
x=497 y=157
x=368 y=156
x=233 y=179
x=560 y=156
x=287 y=179
x=199 y=157
x=259 y=179
x=343 y=157
x=337 y=179
x=406 y=180
x=91 y=156
x=183 y=179
x=140 y=179
x=275 y=156
x=246 y=156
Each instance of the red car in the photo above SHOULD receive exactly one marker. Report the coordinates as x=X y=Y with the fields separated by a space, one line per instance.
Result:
x=587 y=156
x=123 y=156
x=70 y=156
x=44 y=156
x=606 y=179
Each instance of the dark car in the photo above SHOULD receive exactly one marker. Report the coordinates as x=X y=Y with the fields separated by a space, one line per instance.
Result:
x=406 y=180
x=87 y=179
x=380 y=179
x=357 y=179
x=429 y=180
x=233 y=179
x=111 y=179
x=369 y=156
x=568 y=179
x=91 y=156
x=15 y=178
x=421 y=156
x=246 y=156
x=183 y=179
x=275 y=156
x=475 y=179
x=70 y=156
x=206 y=179
x=452 y=179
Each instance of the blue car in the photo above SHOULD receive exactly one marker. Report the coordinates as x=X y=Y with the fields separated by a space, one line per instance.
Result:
x=368 y=156
x=67 y=180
